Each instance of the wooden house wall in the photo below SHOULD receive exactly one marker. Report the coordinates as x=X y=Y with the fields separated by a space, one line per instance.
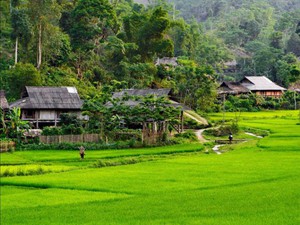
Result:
x=275 y=94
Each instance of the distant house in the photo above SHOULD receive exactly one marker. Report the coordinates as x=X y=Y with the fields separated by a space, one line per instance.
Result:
x=259 y=85
x=230 y=66
x=162 y=92
x=156 y=92
x=167 y=61
x=233 y=88
x=3 y=102
x=43 y=105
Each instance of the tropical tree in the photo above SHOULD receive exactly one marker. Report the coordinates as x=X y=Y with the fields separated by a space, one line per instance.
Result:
x=16 y=126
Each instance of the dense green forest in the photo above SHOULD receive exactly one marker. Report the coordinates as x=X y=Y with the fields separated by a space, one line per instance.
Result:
x=91 y=44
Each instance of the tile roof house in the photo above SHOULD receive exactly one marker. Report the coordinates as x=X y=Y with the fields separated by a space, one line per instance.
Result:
x=43 y=105
x=259 y=85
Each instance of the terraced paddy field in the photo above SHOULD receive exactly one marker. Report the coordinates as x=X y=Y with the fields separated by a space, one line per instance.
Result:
x=256 y=182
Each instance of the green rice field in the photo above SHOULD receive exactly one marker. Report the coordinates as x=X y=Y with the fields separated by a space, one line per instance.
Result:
x=253 y=183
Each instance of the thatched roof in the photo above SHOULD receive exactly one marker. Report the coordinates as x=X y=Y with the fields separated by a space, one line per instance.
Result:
x=167 y=61
x=232 y=88
x=49 y=98
x=3 y=101
x=260 y=83
x=142 y=92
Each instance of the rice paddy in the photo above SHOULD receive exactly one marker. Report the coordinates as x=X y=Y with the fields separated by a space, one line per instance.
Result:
x=256 y=182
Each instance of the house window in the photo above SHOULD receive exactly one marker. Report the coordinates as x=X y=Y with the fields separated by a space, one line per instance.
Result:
x=30 y=114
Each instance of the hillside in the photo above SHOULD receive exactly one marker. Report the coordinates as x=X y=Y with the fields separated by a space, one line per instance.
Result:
x=95 y=44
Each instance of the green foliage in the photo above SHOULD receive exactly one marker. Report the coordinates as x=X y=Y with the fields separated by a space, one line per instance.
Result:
x=52 y=131
x=223 y=130
x=17 y=78
x=75 y=146
x=92 y=22
x=70 y=124
x=15 y=126
x=190 y=135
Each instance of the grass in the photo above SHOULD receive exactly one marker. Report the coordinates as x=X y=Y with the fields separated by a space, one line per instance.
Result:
x=257 y=182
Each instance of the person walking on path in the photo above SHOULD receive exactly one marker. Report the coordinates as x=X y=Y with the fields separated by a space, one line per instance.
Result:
x=81 y=152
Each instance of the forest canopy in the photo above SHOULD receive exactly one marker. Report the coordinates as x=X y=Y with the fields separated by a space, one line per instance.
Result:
x=91 y=43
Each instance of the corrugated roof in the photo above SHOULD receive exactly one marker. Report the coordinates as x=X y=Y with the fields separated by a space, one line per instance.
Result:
x=142 y=92
x=3 y=101
x=49 y=98
x=260 y=83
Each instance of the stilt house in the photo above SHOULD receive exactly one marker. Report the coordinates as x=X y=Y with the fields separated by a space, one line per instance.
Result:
x=42 y=106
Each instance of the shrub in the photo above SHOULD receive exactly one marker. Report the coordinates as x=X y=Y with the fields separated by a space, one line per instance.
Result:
x=52 y=131
x=188 y=135
x=223 y=130
x=75 y=146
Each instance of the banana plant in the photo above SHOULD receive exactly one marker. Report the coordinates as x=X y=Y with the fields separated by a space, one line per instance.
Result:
x=16 y=125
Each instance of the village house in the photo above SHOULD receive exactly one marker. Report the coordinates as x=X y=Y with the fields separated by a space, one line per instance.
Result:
x=167 y=61
x=163 y=92
x=263 y=86
x=42 y=106
x=259 y=85
x=232 y=88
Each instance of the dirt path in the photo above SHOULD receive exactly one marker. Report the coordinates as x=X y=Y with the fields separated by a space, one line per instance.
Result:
x=200 y=136
x=199 y=119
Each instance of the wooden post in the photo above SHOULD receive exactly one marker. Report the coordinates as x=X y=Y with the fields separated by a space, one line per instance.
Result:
x=181 y=121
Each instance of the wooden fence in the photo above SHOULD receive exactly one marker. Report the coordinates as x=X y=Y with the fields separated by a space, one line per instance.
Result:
x=80 y=138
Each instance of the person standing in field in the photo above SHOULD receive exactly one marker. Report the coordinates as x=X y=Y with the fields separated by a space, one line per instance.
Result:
x=81 y=152
x=230 y=137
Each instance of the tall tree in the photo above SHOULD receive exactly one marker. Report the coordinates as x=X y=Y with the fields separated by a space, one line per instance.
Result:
x=21 y=26
x=92 y=22
x=44 y=15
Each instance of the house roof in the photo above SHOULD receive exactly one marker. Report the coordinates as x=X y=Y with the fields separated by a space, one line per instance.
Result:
x=3 y=101
x=230 y=63
x=163 y=92
x=232 y=88
x=142 y=92
x=49 y=98
x=260 y=83
x=167 y=61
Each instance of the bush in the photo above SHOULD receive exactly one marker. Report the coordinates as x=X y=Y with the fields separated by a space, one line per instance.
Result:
x=75 y=146
x=223 y=130
x=192 y=124
x=188 y=135
x=52 y=131
x=125 y=135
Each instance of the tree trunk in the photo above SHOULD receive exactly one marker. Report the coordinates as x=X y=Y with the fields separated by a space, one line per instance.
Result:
x=39 y=56
x=16 y=50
